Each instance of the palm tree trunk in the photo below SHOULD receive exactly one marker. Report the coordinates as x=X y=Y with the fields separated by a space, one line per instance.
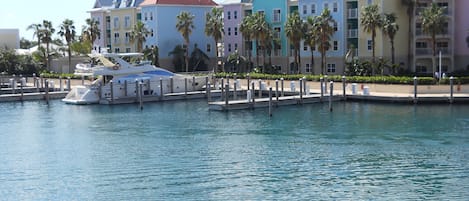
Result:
x=299 y=58
x=322 y=62
x=393 y=59
x=69 y=56
x=434 y=54
x=187 y=56
x=312 y=62
x=216 y=58
x=47 y=56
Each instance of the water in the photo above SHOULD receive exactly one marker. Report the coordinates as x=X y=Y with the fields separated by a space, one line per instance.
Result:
x=182 y=151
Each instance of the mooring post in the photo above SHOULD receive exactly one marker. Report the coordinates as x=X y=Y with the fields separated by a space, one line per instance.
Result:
x=193 y=83
x=301 y=91
x=161 y=89
x=47 y=91
x=69 y=85
x=235 y=95
x=321 y=82
x=222 y=89
x=141 y=95
x=451 y=90
x=415 y=89
x=343 y=87
x=21 y=89
x=38 y=87
x=111 y=85
x=253 y=94
x=171 y=84
x=331 y=95
x=34 y=79
x=82 y=80
x=260 y=88
x=227 y=95
x=42 y=80
x=305 y=82
x=270 y=101
x=209 y=96
x=248 y=81
x=136 y=90
x=276 y=91
x=149 y=87
x=282 y=88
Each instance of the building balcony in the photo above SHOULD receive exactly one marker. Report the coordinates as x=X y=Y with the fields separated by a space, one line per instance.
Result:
x=352 y=13
x=352 y=33
x=420 y=33
x=429 y=51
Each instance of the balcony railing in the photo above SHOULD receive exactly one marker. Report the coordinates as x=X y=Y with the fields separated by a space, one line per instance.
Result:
x=352 y=13
x=429 y=51
x=419 y=32
x=352 y=33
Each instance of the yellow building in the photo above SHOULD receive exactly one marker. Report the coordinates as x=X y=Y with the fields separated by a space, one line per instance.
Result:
x=382 y=42
x=122 y=19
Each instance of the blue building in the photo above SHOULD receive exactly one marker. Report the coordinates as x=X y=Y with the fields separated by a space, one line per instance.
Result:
x=160 y=17
x=336 y=55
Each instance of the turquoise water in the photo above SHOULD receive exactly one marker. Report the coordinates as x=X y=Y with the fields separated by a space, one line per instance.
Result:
x=183 y=151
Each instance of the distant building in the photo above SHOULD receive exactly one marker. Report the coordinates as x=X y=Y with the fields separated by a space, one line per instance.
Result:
x=160 y=18
x=9 y=38
x=234 y=12
x=461 y=35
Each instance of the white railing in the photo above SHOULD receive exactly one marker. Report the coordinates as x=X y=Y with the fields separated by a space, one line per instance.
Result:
x=352 y=33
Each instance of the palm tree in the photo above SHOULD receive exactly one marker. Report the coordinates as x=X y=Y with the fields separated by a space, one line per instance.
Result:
x=178 y=54
x=246 y=28
x=37 y=32
x=91 y=31
x=67 y=30
x=410 y=4
x=214 y=27
x=47 y=31
x=294 y=29
x=390 y=28
x=312 y=36
x=260 y=27
x=184 y=25
x=326 y=30
x=138 y=34
x=371 y=21
x=433 y=21
x=152 y=54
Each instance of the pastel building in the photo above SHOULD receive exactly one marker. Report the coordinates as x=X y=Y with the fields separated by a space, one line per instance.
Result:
x=335 y=56
x=160 y=18
x=9 y=38
x=116 y=19
x=234 y=12
x=461 y=35
x=276 y=13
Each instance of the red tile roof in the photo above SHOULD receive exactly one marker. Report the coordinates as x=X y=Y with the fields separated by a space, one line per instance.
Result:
x=179 y=2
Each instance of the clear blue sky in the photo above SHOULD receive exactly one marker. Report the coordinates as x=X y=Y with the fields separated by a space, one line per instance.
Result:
x=17 y=14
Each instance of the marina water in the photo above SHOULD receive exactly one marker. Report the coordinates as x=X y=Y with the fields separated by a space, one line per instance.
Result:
x=183 y=151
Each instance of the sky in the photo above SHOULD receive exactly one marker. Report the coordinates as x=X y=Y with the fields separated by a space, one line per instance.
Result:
x=17 y=14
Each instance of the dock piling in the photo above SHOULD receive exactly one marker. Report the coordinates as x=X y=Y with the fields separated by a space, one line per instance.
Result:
x=276 y=91
x=415 y=89
x=61 y=84
x=235 y=90
x=343 y=87
x=270 y=101
x=171 y=84
x=111 y=85
x=282 y=88
x=125 y=88
x=248 y=80
x=451 y=90
x=321 y=82
x=301 y=91
x=47 y=91
x=222 y=89
x=260 y=88
x=140 y=97
x=331 y=95
x=227 y=94
x=69 y=86
x=193 y=83
x=161 y=89
x=185 y=87
x=209 y=96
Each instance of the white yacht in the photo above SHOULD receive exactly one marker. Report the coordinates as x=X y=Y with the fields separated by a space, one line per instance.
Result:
x=120 y=75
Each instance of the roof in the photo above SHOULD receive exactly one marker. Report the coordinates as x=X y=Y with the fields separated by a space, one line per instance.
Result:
x=179 y=2
x=104 y=3
x=227 y=2
x=116 y=3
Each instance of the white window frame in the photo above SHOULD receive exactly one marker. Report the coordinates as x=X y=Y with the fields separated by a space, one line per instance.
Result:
x=335 y=7
x=335 y=45
x=127 y=21
x=331 y=68
x=305 y=9
x=369 y=44
x=116 y=23
x=277 y=16
x=313 y=8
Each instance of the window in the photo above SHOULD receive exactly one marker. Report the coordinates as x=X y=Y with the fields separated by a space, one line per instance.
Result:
x=116 y=22
x=152 y=33
x=236 y=46
x=336 y=27
x=117 y=50
x=335 y=7
x=276 y=15
x=261 y=12
x=331 y=68
x=235 y=14
x=313 y=8
x=127 y=50
x=127 y=22
x=420 y=45
x=145 y=16
x=229 y=15
x=151 y=15
x=305 y=46
x=116 y=38
x=127 y=37
x=370 y=44
x=326 y=6
x=370 y=2
x=229 y=47
x=308 y=68
x=336 y=45
x=209 y=48
x=305 y=9
x=229 y=31
x=236 y=31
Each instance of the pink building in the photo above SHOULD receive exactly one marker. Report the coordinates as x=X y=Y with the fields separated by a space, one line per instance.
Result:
x=461 y=35
x=234 y=11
